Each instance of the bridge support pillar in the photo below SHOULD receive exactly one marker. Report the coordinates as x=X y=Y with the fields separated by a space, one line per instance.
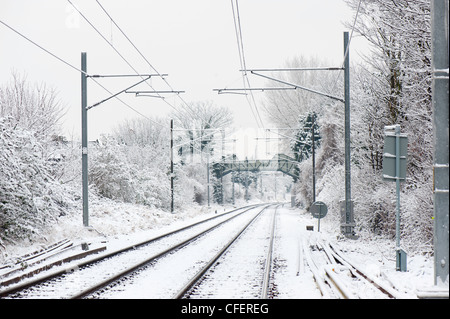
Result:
x=293 y=196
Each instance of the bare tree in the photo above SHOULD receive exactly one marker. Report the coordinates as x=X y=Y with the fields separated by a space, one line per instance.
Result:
x=199 y=119
x=285 y=108
x=33 y=107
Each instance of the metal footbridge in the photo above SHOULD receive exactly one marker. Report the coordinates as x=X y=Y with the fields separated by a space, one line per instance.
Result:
x=280 y=162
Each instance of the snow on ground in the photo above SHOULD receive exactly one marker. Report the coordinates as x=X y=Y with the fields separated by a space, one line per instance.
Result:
x=119 y=224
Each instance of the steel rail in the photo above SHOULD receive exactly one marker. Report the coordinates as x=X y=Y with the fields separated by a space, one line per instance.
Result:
x=141 y=264
x=319 y=279
x=268 y=264
x=332 y=278
x=199 y=275
x=49 y=276
x=326 y=278
x=391 y=293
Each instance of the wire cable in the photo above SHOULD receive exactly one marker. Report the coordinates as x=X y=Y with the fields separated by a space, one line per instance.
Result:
x=117 y=51
x=103 y=37
x=348 y=45
x=240 y=44
x=42 y=48
x=75 y=68
x=146 y=60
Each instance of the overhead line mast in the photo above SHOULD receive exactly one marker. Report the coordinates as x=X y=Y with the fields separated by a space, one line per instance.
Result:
x=347 y=227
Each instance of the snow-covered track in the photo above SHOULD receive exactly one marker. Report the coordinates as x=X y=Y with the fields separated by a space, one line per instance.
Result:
x=337 y=277
x=96 y=288
x=241 y=267
x=354 y=280
x=269 y=260
x=61 y=277
x=316 y=262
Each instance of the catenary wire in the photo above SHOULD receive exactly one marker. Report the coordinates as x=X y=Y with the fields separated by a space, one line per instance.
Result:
x=348 y=45
x=42 y=48
x=146 y=60
x=117 y=51
x=75 y=68
x=189 y=109
x=238 y=31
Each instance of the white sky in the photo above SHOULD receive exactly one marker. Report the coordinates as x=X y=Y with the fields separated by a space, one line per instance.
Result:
x=193 y=41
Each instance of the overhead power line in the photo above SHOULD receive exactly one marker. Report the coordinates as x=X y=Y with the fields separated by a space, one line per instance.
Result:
x=148 y=62
x=117 y=51
x=103 y=37
x=349 y=41
x=240 y=44
x=42 y=48
x=76 y=69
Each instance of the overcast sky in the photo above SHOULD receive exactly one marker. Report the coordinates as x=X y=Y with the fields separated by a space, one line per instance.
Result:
x=193 y=41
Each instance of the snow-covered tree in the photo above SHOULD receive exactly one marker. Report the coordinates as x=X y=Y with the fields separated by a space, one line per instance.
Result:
x=199 y=121
x=30 y=196
x=33 y=107
x=391 y=86
x=202 y=127
x=132 y=165
x=303 y=143
x=394 y=87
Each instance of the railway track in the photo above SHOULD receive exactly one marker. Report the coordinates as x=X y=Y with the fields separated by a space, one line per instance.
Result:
x=338 y=278
x=65 y=281
x=246 y=259
x=237 y=254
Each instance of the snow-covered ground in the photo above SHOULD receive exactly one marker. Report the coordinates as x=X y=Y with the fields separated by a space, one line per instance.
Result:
x=122 y=224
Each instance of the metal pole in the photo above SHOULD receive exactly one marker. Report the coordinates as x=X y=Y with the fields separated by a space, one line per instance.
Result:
x=84 y=140
x=207 y=176
x=348 y=198
x=233 y=177
x=221 y=184
x=313 y=160
x=318 y=222
x=171 y=165
x=397 y=182
x=275 y=174
x=246 y=181
x=440 y=88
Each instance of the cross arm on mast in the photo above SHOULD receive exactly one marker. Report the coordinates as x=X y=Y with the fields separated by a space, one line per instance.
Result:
x=295 y=86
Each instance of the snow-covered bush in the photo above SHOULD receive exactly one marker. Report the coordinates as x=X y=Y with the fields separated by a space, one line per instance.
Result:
x=30 y=197
x=109 y=172
x=129 y=173
x=391 y=86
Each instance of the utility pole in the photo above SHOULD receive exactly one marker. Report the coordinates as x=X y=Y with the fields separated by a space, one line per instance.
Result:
x=440 y=88
x=313 y=157
x=84 y=139
x=84 y=128
x=348 y=227
x=221 y=167
x=207 y=178
x=171 y=165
